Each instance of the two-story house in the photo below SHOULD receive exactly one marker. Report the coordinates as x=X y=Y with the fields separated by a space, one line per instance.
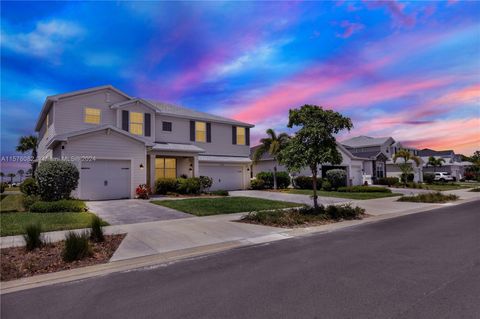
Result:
x=119 y=142
x=452 y=164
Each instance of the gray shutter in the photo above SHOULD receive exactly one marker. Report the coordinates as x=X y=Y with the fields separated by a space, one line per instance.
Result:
x=192 y=131
x=209 y=132
x=247 y=135
x=147 y=124
x=234 y=135
x=125 y=120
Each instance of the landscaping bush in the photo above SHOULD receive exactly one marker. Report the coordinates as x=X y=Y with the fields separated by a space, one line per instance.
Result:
x=219 y=192
x=283 y=179
x=428 y=178
x=364 y=189
x=306 y=182
x=56 y=179
x=59 y=206
x=29 y=187
x=165 y=185
x=345 y=211
x=257 y=184
x=76 y=247
x=96 y=230
x=205 y=183
x=188 y=185
x=476 y=189
x=143 y=191
x=337 y=178
x=409 y=176
x=429 y=198
x=326 y=185
x=28 y=201
x=389 y=181
x=33 y=237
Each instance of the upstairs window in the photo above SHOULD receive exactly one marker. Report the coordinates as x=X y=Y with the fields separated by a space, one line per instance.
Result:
x=136 y=123
x=240 y=136
x=91 y=115
x=167 y=126
x=200 y=132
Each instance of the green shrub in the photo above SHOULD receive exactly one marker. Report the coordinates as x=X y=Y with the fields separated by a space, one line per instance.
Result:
x=345 y=211
x=96 y=230
x=205 y=183
x=337 y=178
x=220 y=192
x=476 y=189
x=76 y=247
x=257 y=184
x=59 y=206
x=326 y=185
x=29 y=187
x=283 y=179
x=56 y=179
x=429 y=198
x=2 y=187
x=364 y=189
x=389 y=181
x=28 y=201
x=428 y=178
x=33 y=236
x=165 y=185
x=306 y=182
x=188 y=185
x=410 y=177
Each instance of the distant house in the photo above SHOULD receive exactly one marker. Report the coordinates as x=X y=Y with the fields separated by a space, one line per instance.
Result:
x=453 y=162
x=380 y=151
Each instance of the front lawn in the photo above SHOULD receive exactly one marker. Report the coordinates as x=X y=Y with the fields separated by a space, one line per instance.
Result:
x=14 y=223
x=444 y=187
x=11 y=203
x=349 y=195
x=226 y=205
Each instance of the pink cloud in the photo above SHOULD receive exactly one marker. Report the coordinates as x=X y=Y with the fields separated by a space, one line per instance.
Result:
x=349 y=29
x=396 y=11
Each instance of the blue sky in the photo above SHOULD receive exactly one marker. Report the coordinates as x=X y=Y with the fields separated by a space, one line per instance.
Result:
x=405 y=69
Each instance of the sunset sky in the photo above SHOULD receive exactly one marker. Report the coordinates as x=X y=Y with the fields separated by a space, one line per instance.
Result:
x=410 y=70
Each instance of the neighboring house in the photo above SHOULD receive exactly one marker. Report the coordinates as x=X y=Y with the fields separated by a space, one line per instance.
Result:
x=380 y=151
x=119 y=142
x=453 y=163
x=353 y=165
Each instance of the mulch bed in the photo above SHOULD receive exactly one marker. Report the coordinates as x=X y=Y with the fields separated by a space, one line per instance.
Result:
x=16 y=262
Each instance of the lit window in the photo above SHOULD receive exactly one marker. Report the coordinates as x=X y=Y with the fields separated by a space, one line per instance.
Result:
x=240 y=135
x=91 y=115
x=200 y=131
x=136 y=123
x=165 y=167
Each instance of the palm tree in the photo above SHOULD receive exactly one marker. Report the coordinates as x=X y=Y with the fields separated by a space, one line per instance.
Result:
x=29 y=143
x=405 y=167
x=20 y=173
x=435 y=162
x=271 y=145
x=11 y=175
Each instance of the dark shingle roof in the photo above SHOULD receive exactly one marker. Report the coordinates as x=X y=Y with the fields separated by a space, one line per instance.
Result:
x=430 y=152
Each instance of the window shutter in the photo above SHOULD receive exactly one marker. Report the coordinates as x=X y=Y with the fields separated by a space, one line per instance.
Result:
x=247 y=135
x=192 y=131
x=125 y=120
x=234 y=135
x=147 y=124
x=209 y=132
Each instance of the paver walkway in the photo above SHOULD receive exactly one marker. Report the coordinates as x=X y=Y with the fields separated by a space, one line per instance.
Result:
x=132 y=211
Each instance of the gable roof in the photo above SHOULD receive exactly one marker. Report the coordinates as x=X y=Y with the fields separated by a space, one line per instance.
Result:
x=147 y=104
x=430 y=152
x=366 y=141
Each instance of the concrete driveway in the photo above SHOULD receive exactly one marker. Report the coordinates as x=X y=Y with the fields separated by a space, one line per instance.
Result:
x=133 y=211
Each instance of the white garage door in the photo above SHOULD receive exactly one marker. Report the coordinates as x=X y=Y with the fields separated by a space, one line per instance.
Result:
x=105 y=179
x=224 y=176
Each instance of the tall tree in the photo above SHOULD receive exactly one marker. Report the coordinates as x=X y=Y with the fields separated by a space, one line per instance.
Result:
x=271 y=145
x=20 y=173
x=11 y=175
x=406 y=168
x=1 y=176
x=26 y=144
x=435 y=162
x=314 y=143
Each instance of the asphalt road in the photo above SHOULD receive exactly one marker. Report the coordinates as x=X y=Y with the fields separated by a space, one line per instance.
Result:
x=424 y=265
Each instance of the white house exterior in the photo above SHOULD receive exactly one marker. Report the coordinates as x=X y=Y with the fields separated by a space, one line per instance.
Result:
x=452 y=164
x=118 y=142
x=353 y=165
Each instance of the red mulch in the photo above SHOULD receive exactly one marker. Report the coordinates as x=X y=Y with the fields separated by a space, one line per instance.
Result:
x=17 y=262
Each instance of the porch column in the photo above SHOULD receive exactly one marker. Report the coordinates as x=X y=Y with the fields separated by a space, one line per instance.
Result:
x=195 y=166
x=152 y=170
